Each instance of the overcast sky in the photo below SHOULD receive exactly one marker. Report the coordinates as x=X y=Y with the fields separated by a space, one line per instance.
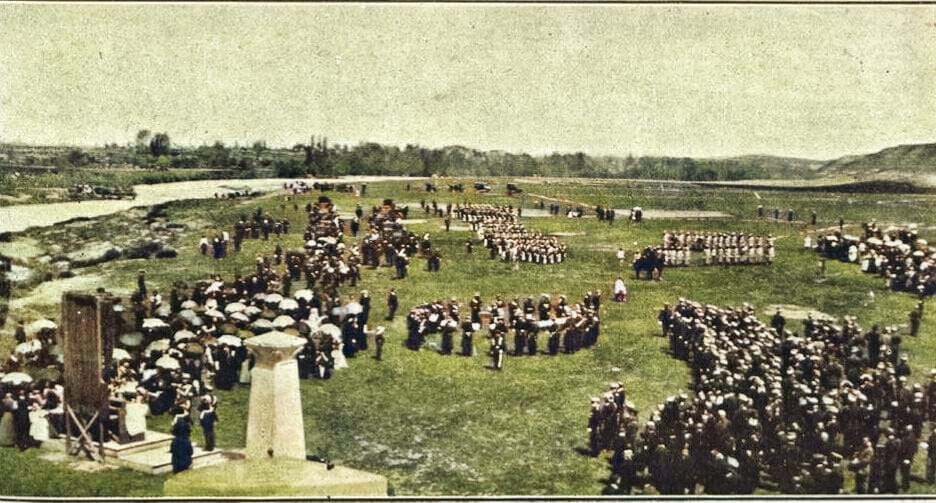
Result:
x=807 y=81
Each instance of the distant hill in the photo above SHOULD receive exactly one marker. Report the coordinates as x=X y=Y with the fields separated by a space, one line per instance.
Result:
x=913 y=163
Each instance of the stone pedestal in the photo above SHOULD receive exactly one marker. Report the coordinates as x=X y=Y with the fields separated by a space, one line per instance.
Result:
x=274 y=422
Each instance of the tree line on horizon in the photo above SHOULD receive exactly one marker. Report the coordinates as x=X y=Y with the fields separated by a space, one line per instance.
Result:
x=319 y=158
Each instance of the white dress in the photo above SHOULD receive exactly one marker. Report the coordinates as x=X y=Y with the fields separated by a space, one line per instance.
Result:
x=39 y=425
x=339 y=358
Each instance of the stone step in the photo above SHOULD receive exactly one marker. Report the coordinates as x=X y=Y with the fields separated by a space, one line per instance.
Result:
x=154 y=440
x=159 y=461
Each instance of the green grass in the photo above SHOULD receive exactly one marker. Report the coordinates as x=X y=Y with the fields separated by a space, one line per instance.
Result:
x=28 y=474
x=446 y=425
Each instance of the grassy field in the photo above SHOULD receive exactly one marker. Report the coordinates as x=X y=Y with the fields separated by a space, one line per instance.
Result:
x=446 y=425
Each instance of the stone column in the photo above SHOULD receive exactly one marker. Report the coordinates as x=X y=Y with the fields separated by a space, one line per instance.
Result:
x=274 y=421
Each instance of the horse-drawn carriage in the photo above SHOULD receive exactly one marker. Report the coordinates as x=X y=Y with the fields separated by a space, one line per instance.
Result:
x=456 y=187
x=512 y=189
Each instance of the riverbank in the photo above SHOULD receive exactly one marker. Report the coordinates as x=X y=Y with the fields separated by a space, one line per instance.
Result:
x=21 y=217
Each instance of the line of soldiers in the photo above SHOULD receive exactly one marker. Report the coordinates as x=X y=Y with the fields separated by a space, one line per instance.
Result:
x=570 y=327
x=775 y=409
x=896 y=254
x=478 y=214
x=259 y=226
x=512 y=242
x=720 y=248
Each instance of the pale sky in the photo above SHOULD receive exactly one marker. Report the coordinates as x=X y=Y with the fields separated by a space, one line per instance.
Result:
x=704 y=80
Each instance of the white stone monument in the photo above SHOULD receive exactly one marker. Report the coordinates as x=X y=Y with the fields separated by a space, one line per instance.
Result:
x=274 y=422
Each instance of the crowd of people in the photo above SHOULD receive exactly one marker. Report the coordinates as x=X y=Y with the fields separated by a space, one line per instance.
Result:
x=897 y=254
x=170 y=355
x=717 y=248
x=773 y=408
x=567 y=327
x=387 y=237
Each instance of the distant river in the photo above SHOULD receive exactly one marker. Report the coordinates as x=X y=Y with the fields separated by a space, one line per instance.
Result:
x=21 y=217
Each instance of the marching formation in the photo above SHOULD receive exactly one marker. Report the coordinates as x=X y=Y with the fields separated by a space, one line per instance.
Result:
x=508 y=239
x=718 y=248
x=568 y=327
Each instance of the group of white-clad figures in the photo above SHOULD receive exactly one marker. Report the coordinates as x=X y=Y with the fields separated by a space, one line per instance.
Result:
x=477 y=214
x=508 y=239
x=717 y=248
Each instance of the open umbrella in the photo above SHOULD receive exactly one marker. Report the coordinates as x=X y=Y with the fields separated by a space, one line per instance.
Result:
x=120 y=354
x=353 y=308
x=164 y=311
x=303 y=294
x=241 y=317
x=262 y=325
x=234 y=307
x=187 y=315
x=154 y=323
x=283 y=321
x=16 y=378
x=288 y=305
x=133 y=339
x=214 y=314
x=274 y=298
x=329 y=329
x=184 y=335
x=167 y=362
x=40 y=325
x=253 y=311
x=28 y=347
x=189 y=304
x=158 y=345
x=229 y=340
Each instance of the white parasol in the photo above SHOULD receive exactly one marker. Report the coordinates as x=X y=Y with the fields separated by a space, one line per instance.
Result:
x=184 y=335
x=304 y=294
x=167 y=362
x=154 y=323
x=230 y=340
x=283 y=321
x=40 y=325
x=16 y=378
x=234 y=307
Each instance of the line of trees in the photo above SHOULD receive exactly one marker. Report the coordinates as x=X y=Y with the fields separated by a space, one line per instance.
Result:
x=321 y=158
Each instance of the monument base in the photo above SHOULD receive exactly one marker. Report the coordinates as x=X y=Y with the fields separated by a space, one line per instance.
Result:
x=150 y=455
x=275 y=477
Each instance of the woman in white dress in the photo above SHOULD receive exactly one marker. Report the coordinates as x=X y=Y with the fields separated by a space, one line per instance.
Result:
x=38 y=420
x=338 y=356
x=620 y=290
